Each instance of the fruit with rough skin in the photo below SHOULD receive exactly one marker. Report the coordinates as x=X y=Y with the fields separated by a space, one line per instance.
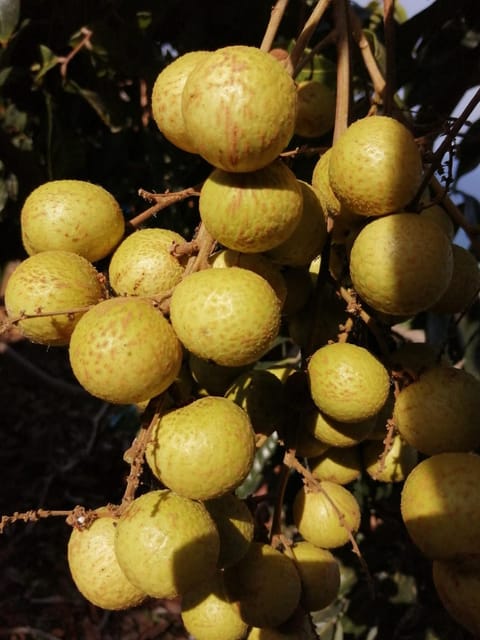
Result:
x=327 y=517
x=440 y=506
x=308 y=238
x=95 y=569
x=166 y=544
x=167 y=98
x=401 y=264
x=439 y=411
x=144 y=265
x=395 y=466
x=71 y=215
x=235 y=525
x=52 y=281
x=230 y=316
x=338 y=464
x=333 y=433
x=251 y=212
x=464 y=286
x=319 y=574
x=202 y=450
x=316 y=109
x=239 y=107
x=347 y=382
x=124 y=351
x=265 y=585
x=375 y=166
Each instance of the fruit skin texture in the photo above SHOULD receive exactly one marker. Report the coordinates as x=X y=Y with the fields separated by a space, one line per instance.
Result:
x=319 y=573
x=230 y=316
x=440 y=506
x=239 y=107
x=439 y=412
x=251 y=212
x=401 y=264
x=347 y=382
x=167 y=98
x=143 y=265
x=95 y=569
x=464 y=285
x=71 y=215
x=166 y=544
x=51 y=281
x=375 y=166
x=266 y=586
x=124 y=351
x=318 y=521
x=203 y=450
x=316 y=109
x=338 y=464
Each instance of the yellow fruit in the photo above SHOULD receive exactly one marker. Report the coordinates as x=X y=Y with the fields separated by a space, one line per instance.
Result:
x=316 y=109
x=167 y=98
x=436 y=213
x=202 y=450
x=338 y=464
x=143 y=264
x=52 y=281
x=401 y=264
x=401 y=458
x=230 y=316
x=375 y=166
x=308 y=238
x=458 y=587
x=326 y=518
x=266 y=586
x=251 y=212
x=239 y=107
x=72 y=215
x=307 y=445
x=124 y=351
x=464 y=286
x=235 y=525
x=440 y=506
x=95 y=569
x=333 y=433
x=166 y=544
x=439 y=411
x=319 y=573
x=347 y=382
x=208 y=613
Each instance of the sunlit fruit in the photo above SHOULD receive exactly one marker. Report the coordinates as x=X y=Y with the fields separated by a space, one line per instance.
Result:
x=166 y=544
x=334 y=433
x=316 y=109
x=375 y=166
x=440 y=506
x=230 y=316
x=202 y=450
x=124 y=351
x=338 y=464
x=395 y=465
x=48 y=282
x=319 y=573
x=239 y=107
x=401 y=264
x=251 y=212
x=72 y=215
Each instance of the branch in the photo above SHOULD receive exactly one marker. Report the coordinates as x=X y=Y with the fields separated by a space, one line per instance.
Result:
x=275 y=19
x=306 y=33
x=389 y=28
x=343 y=68
x=162 y=201
x=369 y=61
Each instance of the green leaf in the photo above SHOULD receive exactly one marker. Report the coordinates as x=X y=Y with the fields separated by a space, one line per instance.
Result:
x=9 y=15
x=97 y=103
x=49 y=61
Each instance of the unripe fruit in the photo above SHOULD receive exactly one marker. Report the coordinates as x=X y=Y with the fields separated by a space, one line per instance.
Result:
x=464 y=286
x=166 y=544
x=239 y=107
x=395 y=466
x=319 y=573
x=235 y=525
x=124 y=351
x=266 y=586
x=308 y=238
x=72 y=215
x=251 y=212
x=95 y=569
x=401 y=264
x=167 y=98
x=316 y=109
x=347 y=382
x=143 y=264
x=338 y=464
x=52 y=281
x=375 y=166
x=440 y=506
x=230 y=316
x=203 y=450
x=439 y=411
x=326 y=518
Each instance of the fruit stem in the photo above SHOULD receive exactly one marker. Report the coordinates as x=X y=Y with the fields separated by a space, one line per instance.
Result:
x=342 y=111
x=276 y=527
x=389 y=30
x=329 y=39
x=78 y=517
x=162 y=201
x=276 y=16
x=306 y=33
x=369 y=61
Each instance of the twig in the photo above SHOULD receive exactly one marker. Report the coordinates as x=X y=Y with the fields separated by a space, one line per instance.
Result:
x=162 y=201
x=306 y=33
x=206 y=245
x=369 y=61
x=323 y=44
x=5 y=326
x=342 y=111
x=85 y=42
x=389 y=29
x=78 y=517
x=276 y=16
x=388 y=443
